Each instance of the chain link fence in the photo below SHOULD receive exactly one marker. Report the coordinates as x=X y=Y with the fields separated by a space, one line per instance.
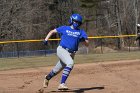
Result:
x=100 y=44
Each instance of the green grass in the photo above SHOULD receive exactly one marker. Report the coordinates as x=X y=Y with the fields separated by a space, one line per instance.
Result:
x=33 y=62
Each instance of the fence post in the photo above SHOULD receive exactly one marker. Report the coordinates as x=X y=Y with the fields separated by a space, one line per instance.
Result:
x=45 y=51
x=17 y=49
x=129 y=44
x=119 y=46
x=101 y=46
x=1 y=54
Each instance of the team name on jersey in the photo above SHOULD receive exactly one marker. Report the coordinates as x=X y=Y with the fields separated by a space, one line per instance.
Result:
x=74 y=34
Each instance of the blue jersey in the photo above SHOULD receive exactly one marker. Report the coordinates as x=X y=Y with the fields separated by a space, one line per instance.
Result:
x=70 y=38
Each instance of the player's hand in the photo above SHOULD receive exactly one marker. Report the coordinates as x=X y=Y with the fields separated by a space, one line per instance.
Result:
x=45 y=42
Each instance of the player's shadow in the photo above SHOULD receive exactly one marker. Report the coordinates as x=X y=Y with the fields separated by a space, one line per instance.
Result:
x=79 y=90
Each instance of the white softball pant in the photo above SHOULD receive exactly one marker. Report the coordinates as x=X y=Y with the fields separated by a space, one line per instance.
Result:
x=66 y=59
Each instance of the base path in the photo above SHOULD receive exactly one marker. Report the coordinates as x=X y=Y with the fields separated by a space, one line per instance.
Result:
x=101 y=77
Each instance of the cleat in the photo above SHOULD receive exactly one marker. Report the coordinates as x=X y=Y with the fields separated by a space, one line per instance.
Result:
x=45 y=83
x=62 y=87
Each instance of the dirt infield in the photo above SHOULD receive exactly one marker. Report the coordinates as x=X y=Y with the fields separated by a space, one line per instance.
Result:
x=102 y=77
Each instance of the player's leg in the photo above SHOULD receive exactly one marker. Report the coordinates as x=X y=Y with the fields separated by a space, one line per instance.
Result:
x=59 y=66
x=65 y=56
x=67 y=69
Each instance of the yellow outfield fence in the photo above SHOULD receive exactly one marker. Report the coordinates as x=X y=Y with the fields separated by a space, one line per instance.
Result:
x=23 y=48
x=94 y=37
x=120 y=36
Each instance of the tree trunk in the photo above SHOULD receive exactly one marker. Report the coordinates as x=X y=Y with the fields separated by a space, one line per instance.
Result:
x=119 y=22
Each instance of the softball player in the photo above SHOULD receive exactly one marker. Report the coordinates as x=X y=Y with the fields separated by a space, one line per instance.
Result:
x=71 y=36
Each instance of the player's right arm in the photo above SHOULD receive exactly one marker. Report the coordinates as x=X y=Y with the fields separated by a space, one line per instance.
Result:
x=84 y=39
x=50 y=34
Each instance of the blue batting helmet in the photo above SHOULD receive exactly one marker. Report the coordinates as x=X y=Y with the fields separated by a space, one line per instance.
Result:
x=76 y=18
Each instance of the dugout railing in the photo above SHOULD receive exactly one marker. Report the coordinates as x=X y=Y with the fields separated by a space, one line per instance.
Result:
x=17 y=52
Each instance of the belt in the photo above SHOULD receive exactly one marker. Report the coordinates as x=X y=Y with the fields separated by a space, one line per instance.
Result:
x=69 y=50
